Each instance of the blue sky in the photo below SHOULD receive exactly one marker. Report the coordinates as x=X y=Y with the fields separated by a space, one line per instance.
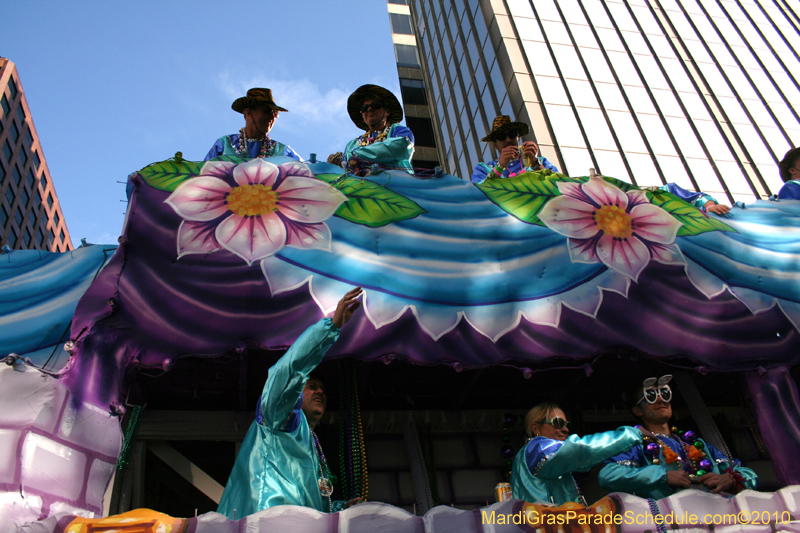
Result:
x=115 y=86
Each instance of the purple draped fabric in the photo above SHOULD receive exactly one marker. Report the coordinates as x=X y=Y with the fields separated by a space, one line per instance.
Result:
x=777 y=404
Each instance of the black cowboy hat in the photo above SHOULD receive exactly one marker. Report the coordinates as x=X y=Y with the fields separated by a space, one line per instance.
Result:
x=503 y=124
x=256 y=98
x=390 y=101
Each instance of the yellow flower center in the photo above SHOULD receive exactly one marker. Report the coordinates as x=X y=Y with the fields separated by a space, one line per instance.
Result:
x=252 y=200
x=614 y=221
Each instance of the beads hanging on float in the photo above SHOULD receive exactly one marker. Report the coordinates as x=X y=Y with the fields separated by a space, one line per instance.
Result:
x=352 y=453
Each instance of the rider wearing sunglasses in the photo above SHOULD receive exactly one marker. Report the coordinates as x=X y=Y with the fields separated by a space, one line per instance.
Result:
x=542 y=469
x=668 y=461
x=260 y=113
x=386 y=143
x=505 y=137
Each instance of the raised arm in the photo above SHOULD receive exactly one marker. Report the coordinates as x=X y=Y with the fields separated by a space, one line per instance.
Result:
x=286 y=378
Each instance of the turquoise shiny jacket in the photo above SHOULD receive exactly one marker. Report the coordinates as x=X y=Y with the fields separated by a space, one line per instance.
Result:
x=393 y=153
x=634 y=472
x=225 y=146
x=277 y=463
x=542 y=470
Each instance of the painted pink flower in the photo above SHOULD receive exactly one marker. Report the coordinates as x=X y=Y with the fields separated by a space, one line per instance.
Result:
x=269 y=207
x=605 y=224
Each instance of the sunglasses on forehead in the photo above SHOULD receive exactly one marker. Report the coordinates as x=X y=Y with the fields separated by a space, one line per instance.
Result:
x=652 y=389
x=503 y=136
x=374 y=105
x=558 y=423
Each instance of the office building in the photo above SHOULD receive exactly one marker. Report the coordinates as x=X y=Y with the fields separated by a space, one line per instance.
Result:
x=703 y=93
x=30 y=214
x=416 y=106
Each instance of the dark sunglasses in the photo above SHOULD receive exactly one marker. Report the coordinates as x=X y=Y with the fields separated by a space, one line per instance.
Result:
x=558 y=423
x=374 y=105
x=503 y=136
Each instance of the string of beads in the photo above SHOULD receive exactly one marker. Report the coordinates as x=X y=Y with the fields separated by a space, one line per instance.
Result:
x=352 y=452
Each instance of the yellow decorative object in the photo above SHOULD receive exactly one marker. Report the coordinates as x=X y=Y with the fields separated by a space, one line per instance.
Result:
x=136 y=521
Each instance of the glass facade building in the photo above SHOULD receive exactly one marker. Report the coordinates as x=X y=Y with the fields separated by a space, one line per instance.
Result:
x=30 y=214
x=413 y=91
x=703 y=93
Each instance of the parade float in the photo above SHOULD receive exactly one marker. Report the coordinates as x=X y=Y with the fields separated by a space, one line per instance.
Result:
x=239 y=256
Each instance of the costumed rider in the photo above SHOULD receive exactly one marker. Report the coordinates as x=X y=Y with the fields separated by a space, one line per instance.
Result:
x=699 y=200
x=669 y=460
x=260 y=113
x=504 y=136
x=281 y=461
x=542 y=470
x=790 y=175
x=385 y=143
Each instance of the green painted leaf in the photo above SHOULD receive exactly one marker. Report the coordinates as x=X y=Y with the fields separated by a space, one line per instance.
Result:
x=621 y=184
x=167 y=175
x=230 y=158
x=523 y=196
x=371 y=204
x=694 y=221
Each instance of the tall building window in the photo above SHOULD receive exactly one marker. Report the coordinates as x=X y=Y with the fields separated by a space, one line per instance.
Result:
x=18 y=216
x=49 y=200
x=406 y=55
x=12 y=88
x=56 y=219
x=17 y=175
x=24 y=198
x=51 y=237
x=7 y=150
x=6 y=105
x=9 y=196
x=401 y=24
x=3 y=216
x=31 y=180
x=12 y=238
x=37 y=161
x=399 y=2
x=28 y=138
x=413 y=92
x=21 y=114
x=61 y=235
x=39 y=237
x=2 y=173
x=26 y=237
x=14 y=133
x=23 y=157
x=423 y=131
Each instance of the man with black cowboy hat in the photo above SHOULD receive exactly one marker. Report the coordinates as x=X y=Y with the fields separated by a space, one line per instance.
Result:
x=386 y=143
x=504 y=136
x=260 y=112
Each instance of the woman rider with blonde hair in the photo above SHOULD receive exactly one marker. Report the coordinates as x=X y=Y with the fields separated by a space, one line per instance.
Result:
x=542 y=470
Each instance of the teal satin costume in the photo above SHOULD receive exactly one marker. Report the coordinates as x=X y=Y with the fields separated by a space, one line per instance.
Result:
x=634 y=472
x=277 y=463
x=393 y=153
x=225 y=146
x=542 y=470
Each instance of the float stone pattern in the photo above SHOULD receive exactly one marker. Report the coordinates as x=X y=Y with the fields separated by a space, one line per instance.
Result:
x=56 y=456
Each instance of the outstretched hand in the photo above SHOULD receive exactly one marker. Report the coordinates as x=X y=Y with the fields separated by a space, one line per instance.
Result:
x=346 y=306
x=717 y=209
